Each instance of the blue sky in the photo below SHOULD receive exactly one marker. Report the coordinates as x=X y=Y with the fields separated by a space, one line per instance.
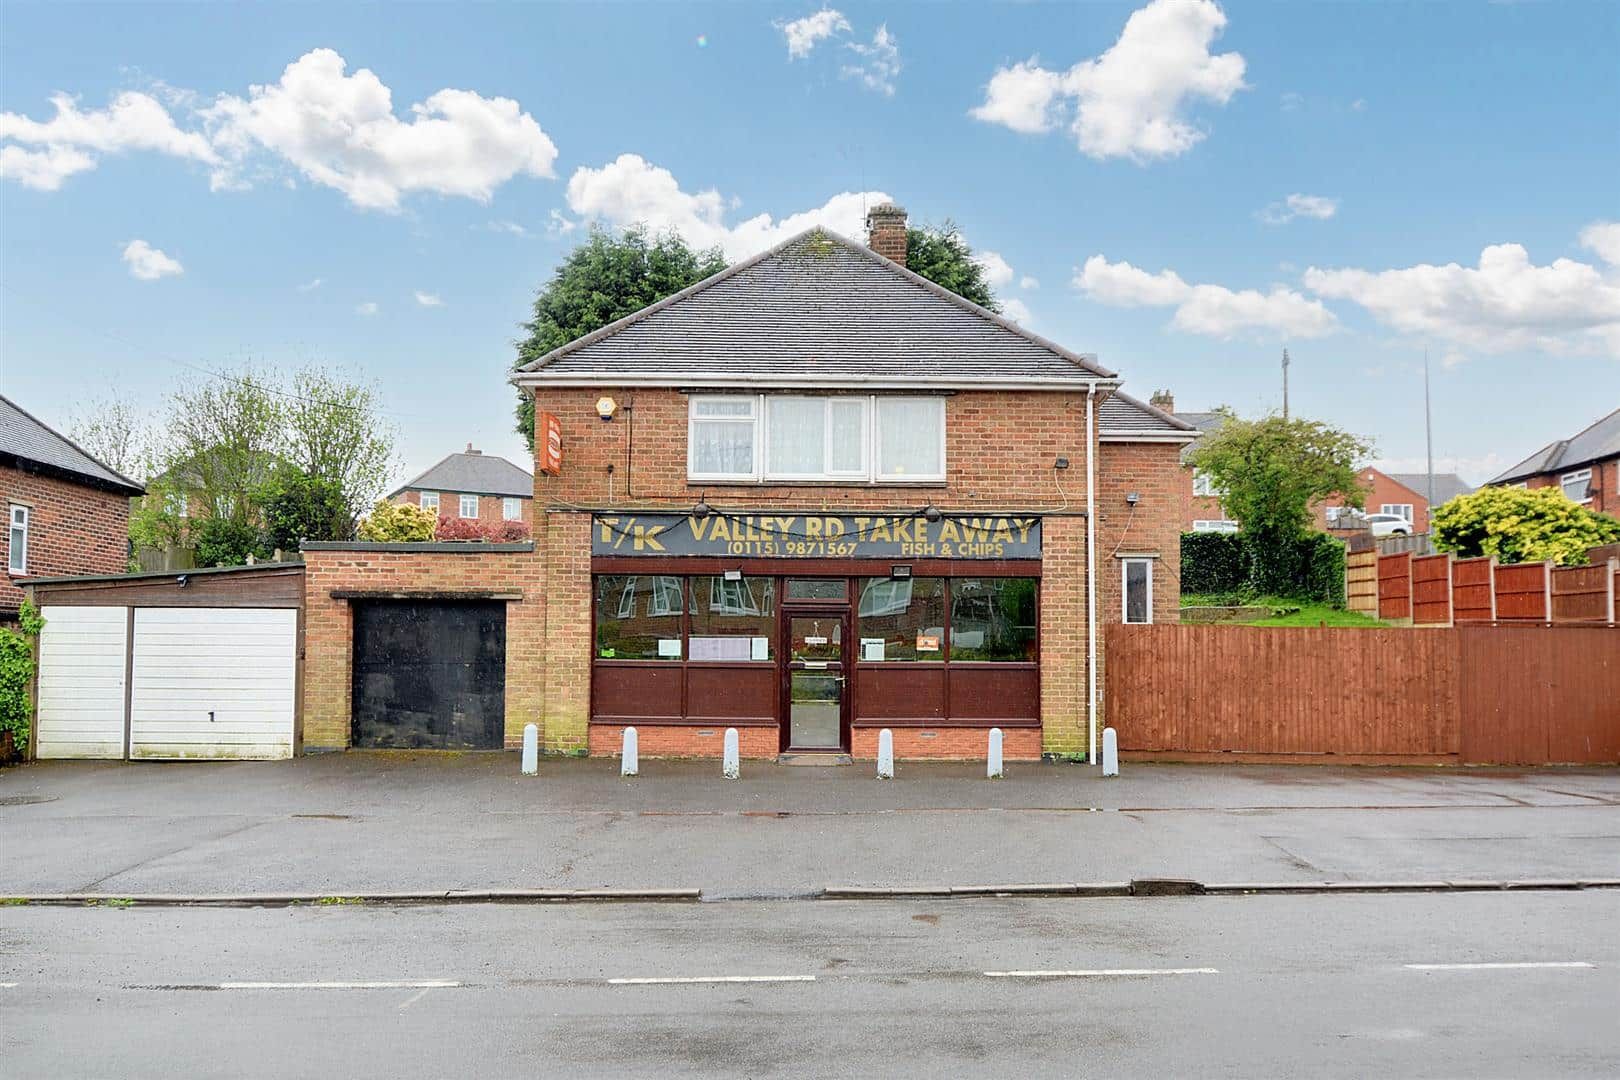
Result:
x=1132 y=165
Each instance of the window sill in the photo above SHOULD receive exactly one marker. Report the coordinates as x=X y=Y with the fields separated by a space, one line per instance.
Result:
x=693 y=481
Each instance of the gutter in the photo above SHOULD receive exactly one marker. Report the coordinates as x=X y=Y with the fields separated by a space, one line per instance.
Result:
x=1091 y=577
x=822 y=382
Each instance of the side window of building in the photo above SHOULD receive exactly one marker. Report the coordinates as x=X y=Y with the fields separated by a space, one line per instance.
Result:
x=1399 y=509
x=1577 y=485
x=511 y=509
x=1137 y=575
x=469 y=506
x=430 y=501
x=1203 y=484
x=17 y=541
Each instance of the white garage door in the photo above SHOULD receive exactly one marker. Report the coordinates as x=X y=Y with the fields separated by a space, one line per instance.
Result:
x=213 y=683
x=81 y=682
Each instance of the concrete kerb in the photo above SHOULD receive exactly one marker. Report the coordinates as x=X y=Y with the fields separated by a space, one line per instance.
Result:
x=339 y=899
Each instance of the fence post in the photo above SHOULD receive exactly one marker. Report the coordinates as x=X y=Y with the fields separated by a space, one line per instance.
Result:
x=993 y=768
x=1546 y=589
x=1110 y=752
x=531 y=749
x=885 y=766
x=1491 y=569
x=630 y=755
x=731 y=765
x=1614 y=581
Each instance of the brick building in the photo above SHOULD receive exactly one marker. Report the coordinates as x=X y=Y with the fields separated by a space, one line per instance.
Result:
x=1402 y=494
x=810 y=497
x=1586 y=466
x=66 y=512
x=472 y=486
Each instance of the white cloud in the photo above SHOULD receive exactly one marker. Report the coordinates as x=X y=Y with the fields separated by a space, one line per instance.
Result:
x=340 y=131
x=804 y=34
x=1029 y=282
x=1018 y=311
x=1602 y=238
x=510 y=228
x=878 y=65
x=68 y=142
x=1506 y=302
x=147 y=263
x=1453 y=359
x=560 y=224
x=310 y=286
x=1319 y=207
x=367 y=308
x=1129 y=102
x=427 y=299
x=1208 y=310
x=997 y=271
x=631 y=190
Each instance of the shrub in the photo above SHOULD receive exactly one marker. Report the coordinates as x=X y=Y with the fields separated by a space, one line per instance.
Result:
x=1520 y=525
x=458 y=528
x=509 y=531
x=1239 y=565
x=1212 y=562
x=17 y=674
x=397 y=523
x=228 y=542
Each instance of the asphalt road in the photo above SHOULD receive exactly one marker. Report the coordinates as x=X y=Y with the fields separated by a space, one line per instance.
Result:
x=1235 y=986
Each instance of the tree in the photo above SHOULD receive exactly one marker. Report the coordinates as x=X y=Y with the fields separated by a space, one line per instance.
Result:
x=1520 y=525
x=1271 y=470
x=398 y=523
x=334 y=435
x=118 y=434
x=228 y=541
x=225 y=442
x=943 y=257
x=301 y=506
x=606 y=278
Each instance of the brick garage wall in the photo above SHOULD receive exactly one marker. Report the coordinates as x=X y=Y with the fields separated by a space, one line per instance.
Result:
x=329 y=627
x=72 y=529
x=948 y=744
x=489 y=506
x=683 y=740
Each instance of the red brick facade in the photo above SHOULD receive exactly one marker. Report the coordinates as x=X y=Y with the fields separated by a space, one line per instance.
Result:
x=72 y=529
x=1378 y=491
x=490 y=507
x=1605 y=485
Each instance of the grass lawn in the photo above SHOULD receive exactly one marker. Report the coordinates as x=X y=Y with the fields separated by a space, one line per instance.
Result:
x=1307 y=615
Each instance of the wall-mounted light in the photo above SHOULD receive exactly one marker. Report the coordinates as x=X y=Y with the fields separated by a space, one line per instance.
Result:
x=605 y=408
x=900 y=573
x=702 y=509
x=1061 y=463
x=733 y=575
x=1132 y=498
x=931 y=513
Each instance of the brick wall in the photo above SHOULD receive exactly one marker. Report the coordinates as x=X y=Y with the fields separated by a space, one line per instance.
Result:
x=1197 y=507
x=683 y=740
x=948 y=744
x=329 y=627
x=566 y=540
x=1377 y=491
x=1605 y=478
x=72 y=529
x=489 y=506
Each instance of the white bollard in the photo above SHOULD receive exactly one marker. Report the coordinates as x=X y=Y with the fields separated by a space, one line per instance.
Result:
x=731 y=766
x=885 y=754
x=1110 y=752
x=630 y=756
x=531 y=749
x=993 y=768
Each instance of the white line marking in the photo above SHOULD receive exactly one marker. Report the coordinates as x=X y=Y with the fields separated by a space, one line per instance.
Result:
x=1515 y=966
x=7 y=986
x=399 y=984
x=1087 y=972
x=713 y=979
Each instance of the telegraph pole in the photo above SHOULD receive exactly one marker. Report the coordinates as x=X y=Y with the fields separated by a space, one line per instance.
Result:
x=1428 y=429
x=1285 y=384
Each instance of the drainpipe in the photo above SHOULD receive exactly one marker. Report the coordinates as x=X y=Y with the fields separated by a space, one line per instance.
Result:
x=1091 y=576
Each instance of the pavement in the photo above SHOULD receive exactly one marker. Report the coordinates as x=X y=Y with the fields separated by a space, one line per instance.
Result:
x=352 y=823
x=1481 y=985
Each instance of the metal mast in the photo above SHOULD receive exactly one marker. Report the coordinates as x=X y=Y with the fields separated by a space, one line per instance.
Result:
x=1285 y=384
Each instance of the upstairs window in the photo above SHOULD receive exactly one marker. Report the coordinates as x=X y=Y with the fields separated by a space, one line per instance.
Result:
x=1577 y=485
x=17 y=555
x=1204 y=484
x=845 y=438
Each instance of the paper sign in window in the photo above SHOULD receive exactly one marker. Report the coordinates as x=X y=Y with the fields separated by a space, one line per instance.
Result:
x=669 y=647
x=928 y=643
x=871 y=648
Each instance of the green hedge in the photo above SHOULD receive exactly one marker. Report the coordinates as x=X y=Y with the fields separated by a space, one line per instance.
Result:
x=1309 y=567
x=16 y=673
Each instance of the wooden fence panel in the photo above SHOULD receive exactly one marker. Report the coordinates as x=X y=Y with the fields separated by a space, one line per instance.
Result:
x=1580 y=594
x=1431 y=590
x=1521 y=593
x=1472 y=597
x=1538 y=695
x=1361 y=582
x=1395 y=587
x=1306 y=692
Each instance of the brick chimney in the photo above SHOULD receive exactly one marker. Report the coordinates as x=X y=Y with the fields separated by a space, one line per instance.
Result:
x=1163 y=399
x=470 y=449
x=886 y=231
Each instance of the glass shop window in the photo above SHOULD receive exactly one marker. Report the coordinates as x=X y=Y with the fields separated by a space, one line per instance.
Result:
x=993 y=619
x=732 y=620
x=638 y=617
x=901 y=619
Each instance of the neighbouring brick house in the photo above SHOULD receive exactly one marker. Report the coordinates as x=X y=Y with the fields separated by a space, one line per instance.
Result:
x=1201 y=508
x=66 y=512
x=810 y=497
x=475 y=486
x=1586 y=466
x=1403 y=494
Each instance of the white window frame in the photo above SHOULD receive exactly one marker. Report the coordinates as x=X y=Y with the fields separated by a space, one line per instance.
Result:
x=1400 y=510
x=1202 y=480
x=177 y=504
x=871 y=470
x=461 y=508
x=1581 y=476
x=511 y=509
x=1214 y=525
x=1125 y=590
x=17 y=530
x=429 y=500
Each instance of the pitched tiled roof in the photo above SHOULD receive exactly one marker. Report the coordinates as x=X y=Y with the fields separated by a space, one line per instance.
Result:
x=1204 y=422
x=25 y=439
x=816 y=310
x=473 y=474
x=1597 y=443
x=1447 y=486
x=1122 y=417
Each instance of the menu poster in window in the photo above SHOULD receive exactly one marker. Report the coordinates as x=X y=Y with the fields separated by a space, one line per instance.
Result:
x=871 y=648
x=761 y=648
x=928 y=643
x=727 y=647
x=669 y=648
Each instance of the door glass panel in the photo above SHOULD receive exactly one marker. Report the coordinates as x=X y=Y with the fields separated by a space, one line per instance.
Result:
x=817 y=639
x=812 y=589
x=814 y=707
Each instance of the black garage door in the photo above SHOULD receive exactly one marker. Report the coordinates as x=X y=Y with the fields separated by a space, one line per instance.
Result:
x=430 y=674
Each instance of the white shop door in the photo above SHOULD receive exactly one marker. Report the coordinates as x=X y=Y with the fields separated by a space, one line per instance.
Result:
x=213 y=683
x=81 y=682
